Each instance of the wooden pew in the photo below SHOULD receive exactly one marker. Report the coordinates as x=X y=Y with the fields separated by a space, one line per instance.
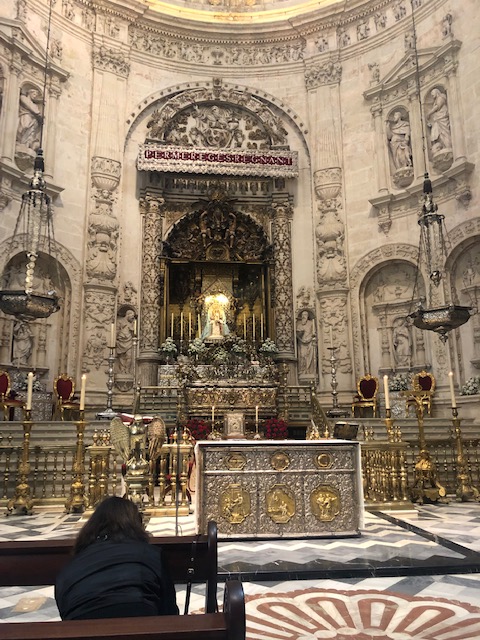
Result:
x=38 y=562
x=228 y=625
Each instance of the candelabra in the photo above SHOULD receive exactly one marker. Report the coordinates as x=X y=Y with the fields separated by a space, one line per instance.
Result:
x=465 y=489
x=335 y=411
x=109 y=413
x=78 y=501
x=426 y=483
x=22 y=501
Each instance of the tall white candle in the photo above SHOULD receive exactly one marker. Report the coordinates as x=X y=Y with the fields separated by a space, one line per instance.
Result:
x=213 y=414
x=244 y=326
x=261 y=327
x=189 y=326
x=181 y=326
x=135 y=328
x=386 y=391
x=112 y=335
x=199 y=320
x=28 y=405
x=82 y=392
x=171 y=326
x=452 y=390
x=256 y=415
x=253 y=327
x=331 y=337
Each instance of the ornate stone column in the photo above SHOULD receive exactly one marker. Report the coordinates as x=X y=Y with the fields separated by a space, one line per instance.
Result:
x=283 y=295
x=54 y=92
x=153 y=283
x=100 y=287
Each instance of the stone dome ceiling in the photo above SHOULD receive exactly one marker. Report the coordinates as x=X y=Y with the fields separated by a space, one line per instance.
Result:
x=245 y=11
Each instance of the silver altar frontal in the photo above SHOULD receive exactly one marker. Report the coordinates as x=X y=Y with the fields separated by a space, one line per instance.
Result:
x=279 y=488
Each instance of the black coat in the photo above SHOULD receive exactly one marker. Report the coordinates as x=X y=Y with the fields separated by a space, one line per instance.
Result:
x=115 y=579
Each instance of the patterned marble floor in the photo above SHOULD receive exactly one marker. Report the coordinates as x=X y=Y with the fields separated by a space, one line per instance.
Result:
x=414 y=576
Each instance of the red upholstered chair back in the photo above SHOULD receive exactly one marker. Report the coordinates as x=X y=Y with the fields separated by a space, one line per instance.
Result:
x=424 y=381
x=64 y=387
x=367 y=387
x=4 y=384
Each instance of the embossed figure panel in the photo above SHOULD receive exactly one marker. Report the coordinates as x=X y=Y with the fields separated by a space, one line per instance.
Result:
x=279 y=489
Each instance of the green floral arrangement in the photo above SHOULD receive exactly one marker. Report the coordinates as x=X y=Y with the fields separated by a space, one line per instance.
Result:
x=275 y=429
x=197 y=348
x=399 y=382
x=268 y=348
x=471 y=387
x=199 y=429
x=169 y=348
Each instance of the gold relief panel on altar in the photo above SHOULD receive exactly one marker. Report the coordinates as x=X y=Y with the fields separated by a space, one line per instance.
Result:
x=280 y=461
x=323 y=460
x=223 y=397
x=235 y=504
x=235 y=461
x=325 y=503
x=280 y=504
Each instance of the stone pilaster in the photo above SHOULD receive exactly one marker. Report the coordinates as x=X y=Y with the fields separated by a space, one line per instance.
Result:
x=283 y=297
x=152 y=286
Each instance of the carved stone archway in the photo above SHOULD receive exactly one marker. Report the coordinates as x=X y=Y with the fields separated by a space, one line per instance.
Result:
x=240 y=143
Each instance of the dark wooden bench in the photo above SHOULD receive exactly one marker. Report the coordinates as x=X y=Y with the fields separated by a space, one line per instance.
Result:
x=228 y=625
x=36 y=562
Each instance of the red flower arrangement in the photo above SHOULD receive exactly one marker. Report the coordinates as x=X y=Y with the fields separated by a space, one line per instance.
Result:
x=198 y=428
x=275 y=429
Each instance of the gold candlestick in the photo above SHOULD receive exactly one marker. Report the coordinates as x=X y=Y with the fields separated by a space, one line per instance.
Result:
x=22 y=502
x=78 y=501
x=465 y=490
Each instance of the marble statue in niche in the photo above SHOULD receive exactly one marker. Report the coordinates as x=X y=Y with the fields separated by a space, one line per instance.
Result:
x=22 y=343
x=29 y=126
x=402 y=342
x=124 y=341
x=306 y=336
x=438 y=121
x=399 y=144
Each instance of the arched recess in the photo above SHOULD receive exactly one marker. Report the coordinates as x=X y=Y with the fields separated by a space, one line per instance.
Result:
x=383 y=284
x=62 y=272
x=217 y=250
x=229 y=120
x=463 y=265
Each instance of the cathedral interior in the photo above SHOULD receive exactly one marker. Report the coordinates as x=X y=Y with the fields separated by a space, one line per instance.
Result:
x=252 y=215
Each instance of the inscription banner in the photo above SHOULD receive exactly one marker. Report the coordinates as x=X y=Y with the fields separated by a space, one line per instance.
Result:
x=251 y=162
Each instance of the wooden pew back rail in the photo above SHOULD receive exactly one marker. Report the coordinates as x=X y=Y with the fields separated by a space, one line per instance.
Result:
x=229 y=625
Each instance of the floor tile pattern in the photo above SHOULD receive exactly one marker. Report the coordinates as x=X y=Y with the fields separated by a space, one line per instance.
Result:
x=412 y=576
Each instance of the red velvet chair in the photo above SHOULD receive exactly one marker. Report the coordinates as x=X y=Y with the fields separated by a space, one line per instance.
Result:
x=367 y=389
x=423 y=388
x=7 y=399
x=64 y=388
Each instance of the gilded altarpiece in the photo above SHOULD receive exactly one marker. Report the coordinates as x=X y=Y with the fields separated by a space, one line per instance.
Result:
x=278 y=489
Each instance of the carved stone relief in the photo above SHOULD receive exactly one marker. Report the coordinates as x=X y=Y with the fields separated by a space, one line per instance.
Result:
x=102 y=245
x=330 y=238
x=306 y=333
x=99 y=315
x=113 y=60
x=237 y=54
x=217 y=232
x=219 y=125
x=329 y=72
x=333 y=314
x=439 y=133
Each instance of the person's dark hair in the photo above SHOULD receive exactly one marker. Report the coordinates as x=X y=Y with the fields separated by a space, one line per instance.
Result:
x=114 y=519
